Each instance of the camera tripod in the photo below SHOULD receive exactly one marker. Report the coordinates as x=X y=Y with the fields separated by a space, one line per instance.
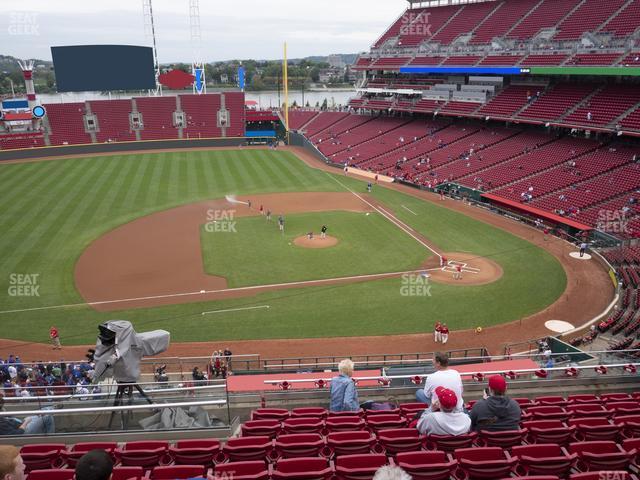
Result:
x=126 y=389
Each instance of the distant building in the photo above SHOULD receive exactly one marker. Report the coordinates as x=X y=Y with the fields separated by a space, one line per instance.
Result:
x=335 y=61
x=327 y=75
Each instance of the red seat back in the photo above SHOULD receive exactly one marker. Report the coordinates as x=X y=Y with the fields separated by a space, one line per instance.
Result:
x=270 y=414
x=359 y=467
x=127 y=473
x=310 y=468
x=299 y=445
x=177 y=472
x=195 y=452
x=259 y=428
x=449 y=443
x=433 y=465
x=40 y=456
x=248 y=448
x=251 y=470
x=52 y=474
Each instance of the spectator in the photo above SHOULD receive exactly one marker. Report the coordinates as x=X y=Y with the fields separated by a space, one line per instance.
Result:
x=443 y=377
x=227 y=356
x=443 y=418
x=11 y=464
x=344 y=396
x=496 y=411
x=94 y=465
x=33 y=425
x=389 y=472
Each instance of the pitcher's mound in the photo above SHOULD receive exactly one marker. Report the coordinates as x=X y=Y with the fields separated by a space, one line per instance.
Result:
x=317 y=242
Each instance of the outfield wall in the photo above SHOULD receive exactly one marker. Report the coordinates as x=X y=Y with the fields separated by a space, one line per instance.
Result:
x=46 y=152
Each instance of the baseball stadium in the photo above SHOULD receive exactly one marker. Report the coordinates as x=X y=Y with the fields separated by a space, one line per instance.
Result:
x=196 y=286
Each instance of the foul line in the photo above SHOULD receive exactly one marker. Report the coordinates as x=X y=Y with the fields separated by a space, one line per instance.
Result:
x=224 y=290
x=388 y=216
x=410 y=211
x=235 y=309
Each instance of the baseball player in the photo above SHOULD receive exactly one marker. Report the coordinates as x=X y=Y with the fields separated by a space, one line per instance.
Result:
x=583 y=248
x=310 y=235
x=457 y=274
x=281 y=223
x=369 y=186
x=249 y=204
x=444 y=333
x=546 y=234
x=261 y=210
x=323 y=231
x=268 y=215
x=437 y=334
x=443 y=261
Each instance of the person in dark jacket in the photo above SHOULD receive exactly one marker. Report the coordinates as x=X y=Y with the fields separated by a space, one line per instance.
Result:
x=496 y=411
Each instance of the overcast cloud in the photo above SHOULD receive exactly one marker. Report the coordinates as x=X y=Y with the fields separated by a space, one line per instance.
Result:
x=230 y=29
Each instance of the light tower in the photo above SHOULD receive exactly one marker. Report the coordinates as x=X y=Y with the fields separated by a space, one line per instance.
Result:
x=150 y=34
x=27 y=72
x=197 y=66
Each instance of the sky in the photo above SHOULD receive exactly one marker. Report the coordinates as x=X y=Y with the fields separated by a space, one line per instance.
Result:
x=247 y=29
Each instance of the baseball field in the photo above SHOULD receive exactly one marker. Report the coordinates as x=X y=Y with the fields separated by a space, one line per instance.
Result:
x=168 y=240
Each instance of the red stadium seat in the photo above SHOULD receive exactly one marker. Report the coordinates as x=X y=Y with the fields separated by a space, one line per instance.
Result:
x=349 y=443
x=630 y=425
x=177 y=472
x=449 y=443
x=373 y=413
x=128 y=473
x=146 y=454
x=315 y=412
x=554 y=400
x=410 y=409
x=260 y=428
x=52 y=474
x=303 y=425
x=397 y=440
x=543 y=459
x=42 y=456
x=615 y=397
x=358 y=412
x=502 y=439
x=583 y=398
x=632 y=446
x=600 y=456
x=195 y=452
x=312 y=468
x=72 y=455
x=298 y=445
x=252 y=470
x=602 y=475
x=484 y=463
x=548 y=431
x=385 y=422
x=246 y=448
x=270 y=414
x=344 y=423
x=629 y=407
x=423 y=465
x=593 y=429
x=359 y=467
x=548 y=412
x=584 y=410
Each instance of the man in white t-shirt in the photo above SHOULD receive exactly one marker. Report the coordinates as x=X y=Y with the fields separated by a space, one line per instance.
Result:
x=442 y=418
x=443 y=377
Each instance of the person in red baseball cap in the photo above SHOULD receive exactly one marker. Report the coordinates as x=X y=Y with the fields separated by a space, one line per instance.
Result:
x=496 y=411
x=444 y=418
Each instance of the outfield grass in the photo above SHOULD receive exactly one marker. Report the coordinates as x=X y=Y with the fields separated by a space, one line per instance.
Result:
x=258 y=253
x=52 y=210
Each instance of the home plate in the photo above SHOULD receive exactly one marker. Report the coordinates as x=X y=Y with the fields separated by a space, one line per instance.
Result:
x=577 y=256
x=558 y=326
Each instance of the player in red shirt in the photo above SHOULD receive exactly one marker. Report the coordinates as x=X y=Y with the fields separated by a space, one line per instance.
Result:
x=437 y=333
x=55 y=338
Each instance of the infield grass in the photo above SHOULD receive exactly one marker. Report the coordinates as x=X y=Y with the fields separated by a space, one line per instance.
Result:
x=51 y=210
